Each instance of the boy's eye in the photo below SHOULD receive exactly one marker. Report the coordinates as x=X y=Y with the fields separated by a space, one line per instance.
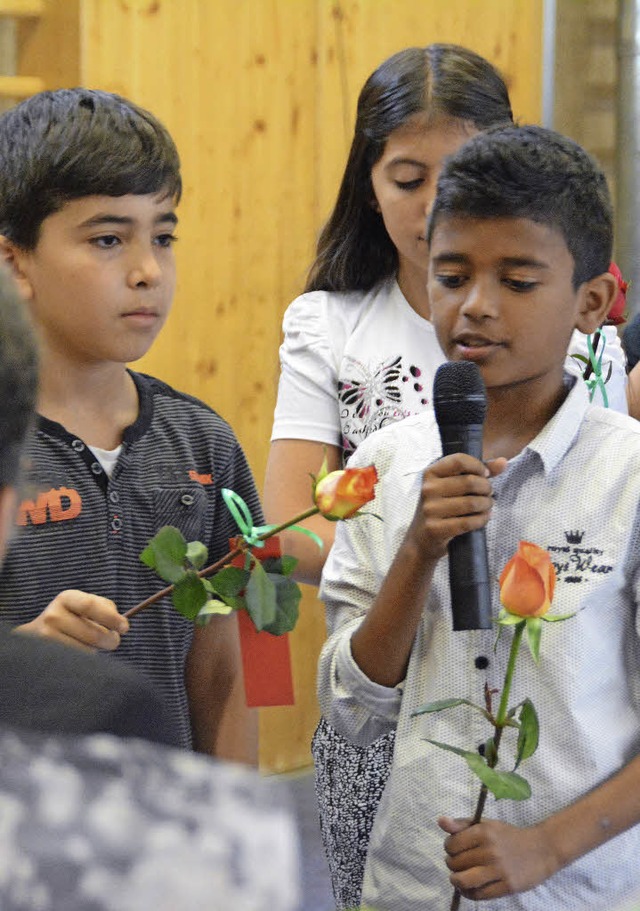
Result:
x=520 y=285
x=450 y=280
x=165 y=240
x=106 y=241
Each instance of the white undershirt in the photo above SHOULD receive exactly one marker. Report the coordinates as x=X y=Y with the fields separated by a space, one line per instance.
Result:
x=107 y=458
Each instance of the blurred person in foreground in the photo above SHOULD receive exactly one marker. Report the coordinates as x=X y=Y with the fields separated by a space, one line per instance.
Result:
x=103 y=822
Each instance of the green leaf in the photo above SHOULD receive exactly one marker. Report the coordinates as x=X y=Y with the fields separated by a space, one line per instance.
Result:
x=447 y=746
x=236 y=602
x=534 y=633
x=288 y=564
x=189 y=595
x=512 y=711
x=148 y=557
x=260 y=596
x=580 y=357
x=288 y=597
x=490 y=752
x=442 y=704
x=229 y=581
x=529 y=733
x=213 y=606
x=281 y=566
x=166 y=554
x=501 y=784
x=197 y=554
x=555 y=618
x=507 y=619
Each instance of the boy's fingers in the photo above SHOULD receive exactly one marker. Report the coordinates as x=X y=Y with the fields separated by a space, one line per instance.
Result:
x=459 y=463
x=88 y=633
x=93 y=607
x=455 y=507
x=451 y=825
x=80 y=619
x=496 y=466
x=61 y=625
x=458 y=495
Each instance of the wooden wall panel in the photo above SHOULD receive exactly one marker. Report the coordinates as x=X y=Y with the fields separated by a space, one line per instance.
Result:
x=260 y=96
x=48 y=45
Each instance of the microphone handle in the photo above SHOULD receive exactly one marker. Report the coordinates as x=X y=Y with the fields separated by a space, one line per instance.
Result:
x=469 y=579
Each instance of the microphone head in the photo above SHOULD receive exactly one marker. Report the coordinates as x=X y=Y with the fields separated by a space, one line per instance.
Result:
x=459 y=395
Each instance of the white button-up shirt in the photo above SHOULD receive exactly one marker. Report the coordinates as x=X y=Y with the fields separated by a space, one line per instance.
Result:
x=574 y=490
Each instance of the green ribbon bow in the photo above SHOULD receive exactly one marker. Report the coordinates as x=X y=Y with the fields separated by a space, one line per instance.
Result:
x=254 y=535
x=596 y=381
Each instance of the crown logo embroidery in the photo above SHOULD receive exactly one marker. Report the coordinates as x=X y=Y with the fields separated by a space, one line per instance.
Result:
x=574 y=537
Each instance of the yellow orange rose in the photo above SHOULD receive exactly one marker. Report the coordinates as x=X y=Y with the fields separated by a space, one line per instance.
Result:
x=528 y=581
x=340 y=494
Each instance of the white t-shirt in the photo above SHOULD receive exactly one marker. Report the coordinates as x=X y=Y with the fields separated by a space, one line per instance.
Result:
x=352 y=363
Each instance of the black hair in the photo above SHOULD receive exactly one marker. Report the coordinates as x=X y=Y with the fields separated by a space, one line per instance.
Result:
x=354 y=251
x=18 y=379
x=534 y=173
x=63 y=145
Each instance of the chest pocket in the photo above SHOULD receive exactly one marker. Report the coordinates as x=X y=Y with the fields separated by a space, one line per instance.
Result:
x=185 y=508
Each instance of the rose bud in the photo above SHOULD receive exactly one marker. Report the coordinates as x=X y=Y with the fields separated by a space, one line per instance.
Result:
x=527 y=582
x=340 y=494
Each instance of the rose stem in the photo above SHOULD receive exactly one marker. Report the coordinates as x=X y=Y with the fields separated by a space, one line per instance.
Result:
x=501 y=717
x=214 y=567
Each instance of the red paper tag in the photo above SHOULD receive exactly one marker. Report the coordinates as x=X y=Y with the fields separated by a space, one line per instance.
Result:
x=266 y=659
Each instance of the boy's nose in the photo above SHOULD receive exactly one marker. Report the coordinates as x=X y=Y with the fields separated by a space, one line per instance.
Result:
x=145 y=270
x=479 y=302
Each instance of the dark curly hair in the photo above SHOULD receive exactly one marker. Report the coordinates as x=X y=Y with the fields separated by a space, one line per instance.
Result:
x=535 y=173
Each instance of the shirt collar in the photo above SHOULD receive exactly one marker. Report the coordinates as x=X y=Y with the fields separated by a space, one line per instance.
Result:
x=557 y=436
x=551 y=444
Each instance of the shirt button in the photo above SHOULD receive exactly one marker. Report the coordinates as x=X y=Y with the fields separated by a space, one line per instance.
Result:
x=116 y=523
x=481 y=662
x=186 y=499
x=114 y=496
x=78 y=445
x=96 y=468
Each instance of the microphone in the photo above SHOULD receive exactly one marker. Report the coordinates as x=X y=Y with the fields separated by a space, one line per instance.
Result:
x=460 y=405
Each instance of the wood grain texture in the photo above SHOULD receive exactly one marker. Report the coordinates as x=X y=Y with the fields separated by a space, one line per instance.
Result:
x=49 y=45
x=260 y=96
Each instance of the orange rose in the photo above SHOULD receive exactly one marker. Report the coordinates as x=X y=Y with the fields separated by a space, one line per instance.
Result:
x=340 y=494
x=527 y=582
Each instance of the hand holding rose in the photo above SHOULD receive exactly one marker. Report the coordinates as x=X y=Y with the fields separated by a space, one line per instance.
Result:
x=492 y=859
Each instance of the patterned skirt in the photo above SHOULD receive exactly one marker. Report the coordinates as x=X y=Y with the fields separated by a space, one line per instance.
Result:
x=349 y=784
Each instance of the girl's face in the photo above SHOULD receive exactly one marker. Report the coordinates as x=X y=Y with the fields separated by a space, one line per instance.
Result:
x=404 y=185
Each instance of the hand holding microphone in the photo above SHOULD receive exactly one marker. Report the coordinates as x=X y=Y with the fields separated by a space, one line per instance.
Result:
x=460 y=406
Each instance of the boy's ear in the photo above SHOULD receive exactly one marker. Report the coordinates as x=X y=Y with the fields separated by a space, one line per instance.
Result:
x=596 y=299
x=14 y=260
